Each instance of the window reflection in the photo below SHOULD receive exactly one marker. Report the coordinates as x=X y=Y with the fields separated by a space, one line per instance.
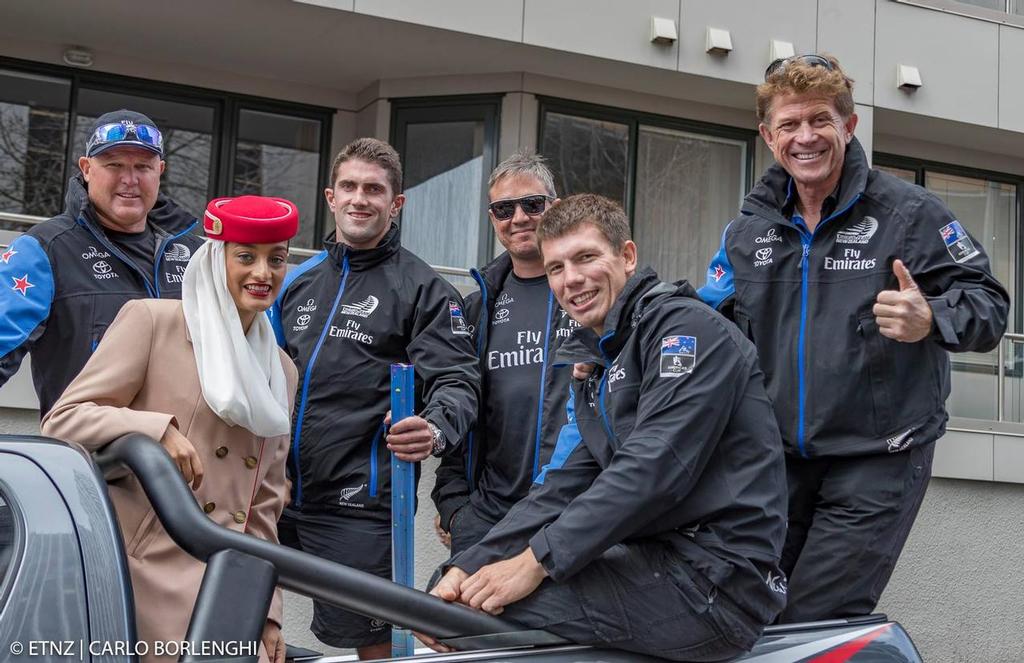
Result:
x=587 y=155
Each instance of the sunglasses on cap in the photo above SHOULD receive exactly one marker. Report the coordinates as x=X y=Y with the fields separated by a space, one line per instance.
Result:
x=120 y=131
x=809 y=60
x=503 y=210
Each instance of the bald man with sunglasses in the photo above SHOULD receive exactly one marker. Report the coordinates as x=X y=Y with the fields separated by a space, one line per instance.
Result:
x=518 y=325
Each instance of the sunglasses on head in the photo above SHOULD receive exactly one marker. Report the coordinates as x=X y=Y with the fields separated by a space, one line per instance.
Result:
x=809 y=60
x=119 y=131
x=503 y=210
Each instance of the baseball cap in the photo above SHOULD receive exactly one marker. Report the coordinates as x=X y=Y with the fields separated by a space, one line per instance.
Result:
x=123 y=127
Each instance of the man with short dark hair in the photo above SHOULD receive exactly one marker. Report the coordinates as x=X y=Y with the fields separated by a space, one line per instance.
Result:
x=344 y=316
x=63 y=282
x=519 y=328
x=658 y=523
x=854 y=285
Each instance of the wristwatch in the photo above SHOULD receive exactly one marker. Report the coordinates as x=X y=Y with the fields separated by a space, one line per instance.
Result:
x=439 y=442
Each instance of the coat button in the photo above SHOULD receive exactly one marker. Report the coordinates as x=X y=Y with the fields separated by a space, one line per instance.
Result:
x=250 y=462
x=240 y=517
x=221 y=452
x=209 y=507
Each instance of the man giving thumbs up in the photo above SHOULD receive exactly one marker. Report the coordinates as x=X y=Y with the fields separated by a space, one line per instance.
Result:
x=854 y=286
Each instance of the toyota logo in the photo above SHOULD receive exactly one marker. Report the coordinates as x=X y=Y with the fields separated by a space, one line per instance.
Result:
x=763 y=254
x=302 y=320
x=102 y=267
x=501 y=314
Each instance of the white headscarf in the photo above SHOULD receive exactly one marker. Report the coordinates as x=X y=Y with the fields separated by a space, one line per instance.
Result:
x=240 y=373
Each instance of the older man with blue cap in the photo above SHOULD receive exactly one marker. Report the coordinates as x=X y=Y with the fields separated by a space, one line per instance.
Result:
x=62 y=282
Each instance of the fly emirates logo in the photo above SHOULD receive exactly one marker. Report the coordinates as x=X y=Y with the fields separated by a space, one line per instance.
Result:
x=850 y=262
x=528 y=352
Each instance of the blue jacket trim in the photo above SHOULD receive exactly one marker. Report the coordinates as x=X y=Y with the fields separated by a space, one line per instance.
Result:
x=373 y=460
x=274 y=312
x=568 y=439
x=718 y=285
x=26 y=291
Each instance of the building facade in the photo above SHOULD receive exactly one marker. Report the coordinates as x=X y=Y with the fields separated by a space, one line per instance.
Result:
x=647 y=102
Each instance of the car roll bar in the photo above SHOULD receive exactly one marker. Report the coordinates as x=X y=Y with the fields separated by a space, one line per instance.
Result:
x=298 y=571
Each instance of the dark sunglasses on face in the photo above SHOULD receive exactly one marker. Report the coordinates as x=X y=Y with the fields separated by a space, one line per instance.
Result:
x=118 y=131
x=809 y=60
x=503 y=210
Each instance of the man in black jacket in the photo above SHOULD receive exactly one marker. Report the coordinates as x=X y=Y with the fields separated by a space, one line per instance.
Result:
x=854 y=286
x=344 y=316
x=657 y=525
x=519 y=327
x=63 y=282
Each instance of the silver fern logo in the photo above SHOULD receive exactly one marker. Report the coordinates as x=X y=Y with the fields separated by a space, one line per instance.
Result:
x=363 y=309
x=348 y=493
x=177 y=253
x=859 y=233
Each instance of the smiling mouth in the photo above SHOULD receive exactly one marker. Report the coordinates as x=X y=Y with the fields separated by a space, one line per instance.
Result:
x=258 y=290
x=128 y=196
x=583 y=299
x=807 y=156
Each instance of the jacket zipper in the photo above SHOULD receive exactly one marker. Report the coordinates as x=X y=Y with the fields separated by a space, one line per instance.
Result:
x=160 y=254
x=305 y=382
x=373 y=460
x=543 y=382
x=806 y=239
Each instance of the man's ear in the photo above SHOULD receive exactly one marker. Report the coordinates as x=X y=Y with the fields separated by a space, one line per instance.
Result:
x=329 y=197
x=84 y=164
x=396 y=205
x=850 y=125
x=629 y=255
x=766 y=135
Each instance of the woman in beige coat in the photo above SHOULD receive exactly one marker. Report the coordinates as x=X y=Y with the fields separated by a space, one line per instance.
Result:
x=205 y=378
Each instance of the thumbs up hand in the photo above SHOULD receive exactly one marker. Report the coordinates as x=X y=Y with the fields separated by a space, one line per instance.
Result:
x=903 y=315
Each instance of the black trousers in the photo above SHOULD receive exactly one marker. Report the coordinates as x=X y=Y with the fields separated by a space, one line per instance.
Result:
x=468 y=528
x=849 y=518
x=641 y=597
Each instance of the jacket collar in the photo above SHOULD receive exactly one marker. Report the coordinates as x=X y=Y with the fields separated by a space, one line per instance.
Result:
x=362 y=259
x=775 y=189
x=166 y=215
x=640 y=291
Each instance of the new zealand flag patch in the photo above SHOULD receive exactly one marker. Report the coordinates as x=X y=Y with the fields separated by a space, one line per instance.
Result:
x=958 y=242
x=459 y=326
x=678 y=355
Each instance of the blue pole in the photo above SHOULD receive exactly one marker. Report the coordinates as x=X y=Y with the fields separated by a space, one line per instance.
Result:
x=403 y=501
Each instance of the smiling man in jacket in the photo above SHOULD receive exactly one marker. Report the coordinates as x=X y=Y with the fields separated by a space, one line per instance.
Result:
x=658 y=523
x=519 y=327
x=854 y=286
x=63 y=282
x=344 y=316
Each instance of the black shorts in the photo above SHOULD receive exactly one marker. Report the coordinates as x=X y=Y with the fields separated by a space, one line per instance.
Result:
x=359 y=543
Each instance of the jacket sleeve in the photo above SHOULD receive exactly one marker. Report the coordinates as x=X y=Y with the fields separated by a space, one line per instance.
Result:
x=718 y=290
x=969 y=305
x=96 y=407
x=571 y=470
x=26 y=296
x=453 y=479
x=679 y=420
x=269 y=497
x=442 y=351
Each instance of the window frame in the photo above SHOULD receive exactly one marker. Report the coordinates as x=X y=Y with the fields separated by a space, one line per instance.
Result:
x=226 y=109
x=634 y=119
x=455 y=108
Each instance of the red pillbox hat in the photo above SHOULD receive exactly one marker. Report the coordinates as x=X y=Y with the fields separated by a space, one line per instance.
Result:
x=251 y=220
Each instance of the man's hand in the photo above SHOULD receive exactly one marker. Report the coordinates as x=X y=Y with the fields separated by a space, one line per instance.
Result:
x=273 y=643
x=444 y=537
x=903 y=315
x=497 y=585
x=582 y=371
x=410 y=439
x=447 y=588
x=184 y=455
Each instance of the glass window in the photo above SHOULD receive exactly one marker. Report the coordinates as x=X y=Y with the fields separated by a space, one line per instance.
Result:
x=188 y=140
x=448 y=152
x=688 y=187
x=6 y=538
x=279 y=155
x=904 y=174
x=997 y=5
x=586 y=155
x=33 y=139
